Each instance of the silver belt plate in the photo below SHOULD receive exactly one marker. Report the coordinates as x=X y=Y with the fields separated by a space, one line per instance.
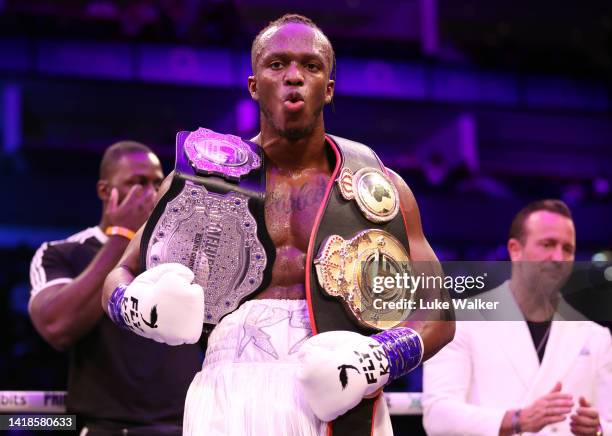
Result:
x=211 y=234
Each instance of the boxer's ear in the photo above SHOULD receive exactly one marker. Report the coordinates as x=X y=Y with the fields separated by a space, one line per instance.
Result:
x=329 y=91
x=253 y=88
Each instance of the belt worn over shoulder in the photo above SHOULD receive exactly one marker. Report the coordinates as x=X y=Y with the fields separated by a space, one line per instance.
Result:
x=360 y=232
x=214 y=209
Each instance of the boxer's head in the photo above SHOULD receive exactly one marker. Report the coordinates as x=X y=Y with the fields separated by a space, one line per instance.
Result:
x=125 y=164
x=541 y=244
x=292 y=63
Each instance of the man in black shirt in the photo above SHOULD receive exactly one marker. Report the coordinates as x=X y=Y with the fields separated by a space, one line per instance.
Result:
x=117 y=381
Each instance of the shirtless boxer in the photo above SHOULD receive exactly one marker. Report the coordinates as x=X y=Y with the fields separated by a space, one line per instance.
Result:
x=263 y=372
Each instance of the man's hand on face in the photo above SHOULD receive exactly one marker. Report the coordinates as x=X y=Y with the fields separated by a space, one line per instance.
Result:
x=133 y=211
x=548 y=409
x=585 y=422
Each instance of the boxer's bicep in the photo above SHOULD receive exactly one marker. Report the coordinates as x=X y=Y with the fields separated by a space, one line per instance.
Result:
x=129 y=265
x=163 y=188
x=131 y=256
x=420 y=250
x=125 y=270
x=436 y=327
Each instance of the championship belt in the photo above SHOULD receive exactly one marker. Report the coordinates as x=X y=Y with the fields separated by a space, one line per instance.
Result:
x=351 y=269
x=213 y=214
x=360 y=237
x=359 y=234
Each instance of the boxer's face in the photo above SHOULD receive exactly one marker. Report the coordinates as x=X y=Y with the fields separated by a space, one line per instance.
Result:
x=546 y=253
x=136 y=169
x=291 y=81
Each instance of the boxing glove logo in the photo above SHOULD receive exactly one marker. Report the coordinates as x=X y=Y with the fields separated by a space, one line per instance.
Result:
x=343 y=376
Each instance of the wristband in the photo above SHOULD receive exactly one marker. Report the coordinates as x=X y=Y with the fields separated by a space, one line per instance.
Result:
x=120 y=231
x=516 y=422
x=114 y=306
x=404 y=349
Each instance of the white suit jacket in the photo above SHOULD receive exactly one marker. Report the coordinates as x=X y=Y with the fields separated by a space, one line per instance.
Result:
x=492 y=366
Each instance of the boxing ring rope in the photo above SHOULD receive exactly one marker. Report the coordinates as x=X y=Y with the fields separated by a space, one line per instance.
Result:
x=400 y=403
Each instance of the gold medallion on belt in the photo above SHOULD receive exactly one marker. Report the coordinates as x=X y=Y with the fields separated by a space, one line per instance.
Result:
x=355 y=270
x=373 y=191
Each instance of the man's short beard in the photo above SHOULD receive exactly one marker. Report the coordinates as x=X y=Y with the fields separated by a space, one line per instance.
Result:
x=296 y=133
x=293 y=134
x=545 y=278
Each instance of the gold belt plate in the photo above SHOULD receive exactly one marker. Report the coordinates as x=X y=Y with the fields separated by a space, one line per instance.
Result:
x=347 y=268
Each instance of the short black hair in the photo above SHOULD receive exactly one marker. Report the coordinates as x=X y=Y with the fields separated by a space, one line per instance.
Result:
x=115 y=152
x=287 y=19
x=517 y=228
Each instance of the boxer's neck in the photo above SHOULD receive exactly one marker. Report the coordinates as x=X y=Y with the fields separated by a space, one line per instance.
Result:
x=294 y=154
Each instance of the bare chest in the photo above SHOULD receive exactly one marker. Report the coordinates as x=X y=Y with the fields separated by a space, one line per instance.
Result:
x=291 y=208
x=292 y=203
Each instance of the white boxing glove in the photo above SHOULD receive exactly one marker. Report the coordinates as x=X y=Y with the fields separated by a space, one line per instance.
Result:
x=161 y=304
x=340 y=368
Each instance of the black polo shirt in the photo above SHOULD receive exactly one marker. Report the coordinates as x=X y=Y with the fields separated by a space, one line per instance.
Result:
x=115 y=375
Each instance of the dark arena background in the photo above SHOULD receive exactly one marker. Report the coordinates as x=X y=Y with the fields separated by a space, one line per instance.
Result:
x=482 y=106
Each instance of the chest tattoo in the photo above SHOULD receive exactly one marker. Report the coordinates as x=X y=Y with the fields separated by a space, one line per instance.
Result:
x=306 y=197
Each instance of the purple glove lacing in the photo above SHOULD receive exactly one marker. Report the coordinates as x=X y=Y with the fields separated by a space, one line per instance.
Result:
x=114 y=306
x=404 y=350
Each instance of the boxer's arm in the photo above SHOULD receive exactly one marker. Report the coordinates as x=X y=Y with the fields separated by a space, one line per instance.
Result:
x=162 y=303
x=340 y=368
x=124 y=271
x=436 y=328
x=129 y=264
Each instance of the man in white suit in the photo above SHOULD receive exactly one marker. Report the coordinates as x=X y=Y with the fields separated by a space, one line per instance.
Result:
x=542 y=375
